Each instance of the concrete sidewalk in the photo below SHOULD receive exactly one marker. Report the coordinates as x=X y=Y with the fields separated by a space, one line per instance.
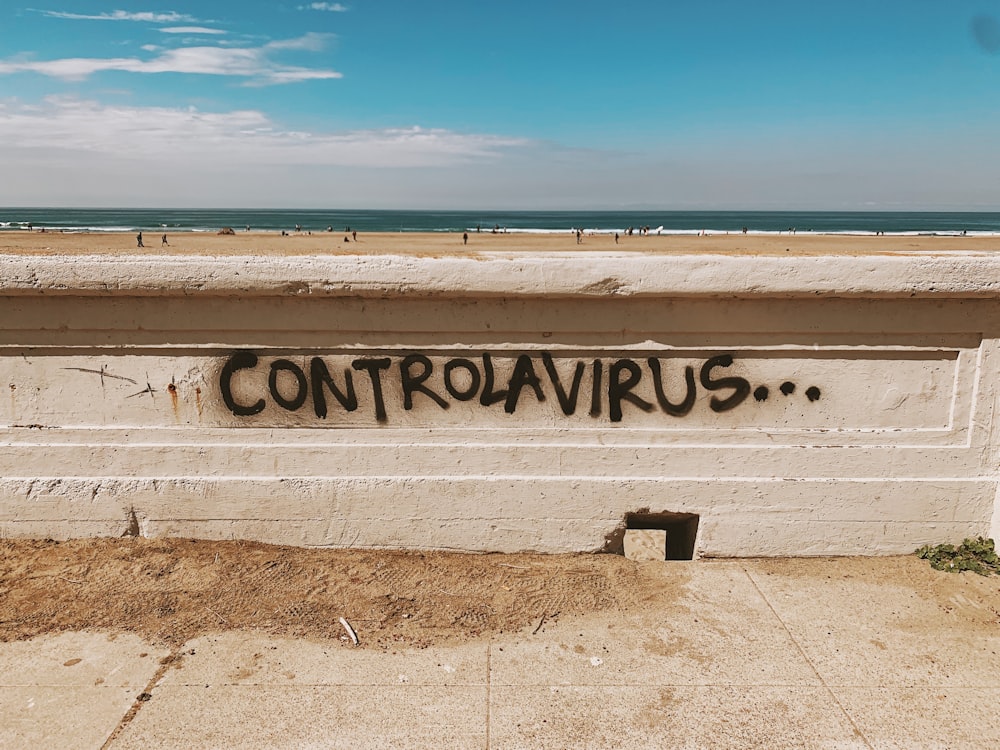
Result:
x=762 y=653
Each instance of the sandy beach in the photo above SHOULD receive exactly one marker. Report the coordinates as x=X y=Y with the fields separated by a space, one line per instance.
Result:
x=333 y=243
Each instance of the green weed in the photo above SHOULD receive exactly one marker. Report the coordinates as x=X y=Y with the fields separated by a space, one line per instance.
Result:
x=978 y=555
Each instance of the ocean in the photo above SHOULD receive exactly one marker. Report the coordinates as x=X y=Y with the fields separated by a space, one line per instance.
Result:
x=943 y=223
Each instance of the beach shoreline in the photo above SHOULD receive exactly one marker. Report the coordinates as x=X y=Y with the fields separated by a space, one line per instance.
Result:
x=451 y=244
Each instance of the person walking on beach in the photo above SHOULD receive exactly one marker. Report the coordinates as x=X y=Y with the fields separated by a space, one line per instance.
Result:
x=616 y=238
x=465 y=238
x=138 y=240
x=163 y=241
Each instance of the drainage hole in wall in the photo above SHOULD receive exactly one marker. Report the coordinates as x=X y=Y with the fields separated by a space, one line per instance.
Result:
x=659 y=536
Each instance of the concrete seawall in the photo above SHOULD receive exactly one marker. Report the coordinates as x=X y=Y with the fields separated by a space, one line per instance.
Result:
x=753 y=405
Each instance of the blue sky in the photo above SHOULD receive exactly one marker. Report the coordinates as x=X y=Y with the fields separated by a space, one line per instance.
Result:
x=549 y=105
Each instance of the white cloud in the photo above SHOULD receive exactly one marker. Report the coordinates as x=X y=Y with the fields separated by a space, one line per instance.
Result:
x=190 y=30
x=309 y=42
x=67 y=151
x=177 y=136
x=252 y=63
x=122 y=15
x=331 y=7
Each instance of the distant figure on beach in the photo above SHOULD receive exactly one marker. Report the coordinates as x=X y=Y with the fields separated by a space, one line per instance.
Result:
x=138 y=240
x=354 y=235
x=163 y=241
x=616 y=238
x=465 y=238
x=248 y=227
x=579 y=237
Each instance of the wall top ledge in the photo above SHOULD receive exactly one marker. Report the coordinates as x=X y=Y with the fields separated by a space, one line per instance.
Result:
x=581 y=275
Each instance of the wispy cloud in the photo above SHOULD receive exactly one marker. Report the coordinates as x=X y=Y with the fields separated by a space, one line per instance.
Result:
x=174 y=135
x=308 y=42
x=122 y=15
x=252 y=63
x=190 y=30
x=331 y=7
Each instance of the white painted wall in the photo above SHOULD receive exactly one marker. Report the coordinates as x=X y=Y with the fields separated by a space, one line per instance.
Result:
x=115 y=386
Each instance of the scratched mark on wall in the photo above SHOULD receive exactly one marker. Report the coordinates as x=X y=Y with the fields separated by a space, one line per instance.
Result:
x=250 y=386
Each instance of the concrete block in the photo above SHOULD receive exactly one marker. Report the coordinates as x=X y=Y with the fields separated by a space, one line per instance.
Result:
x=644 y=545
x=71 y=689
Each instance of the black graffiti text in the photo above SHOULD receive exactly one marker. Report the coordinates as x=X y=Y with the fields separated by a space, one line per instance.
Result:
x=419 y=381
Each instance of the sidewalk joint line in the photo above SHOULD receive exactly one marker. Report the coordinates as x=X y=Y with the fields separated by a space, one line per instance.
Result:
x=166 y=663
x=798 y=646
x=489 y=652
